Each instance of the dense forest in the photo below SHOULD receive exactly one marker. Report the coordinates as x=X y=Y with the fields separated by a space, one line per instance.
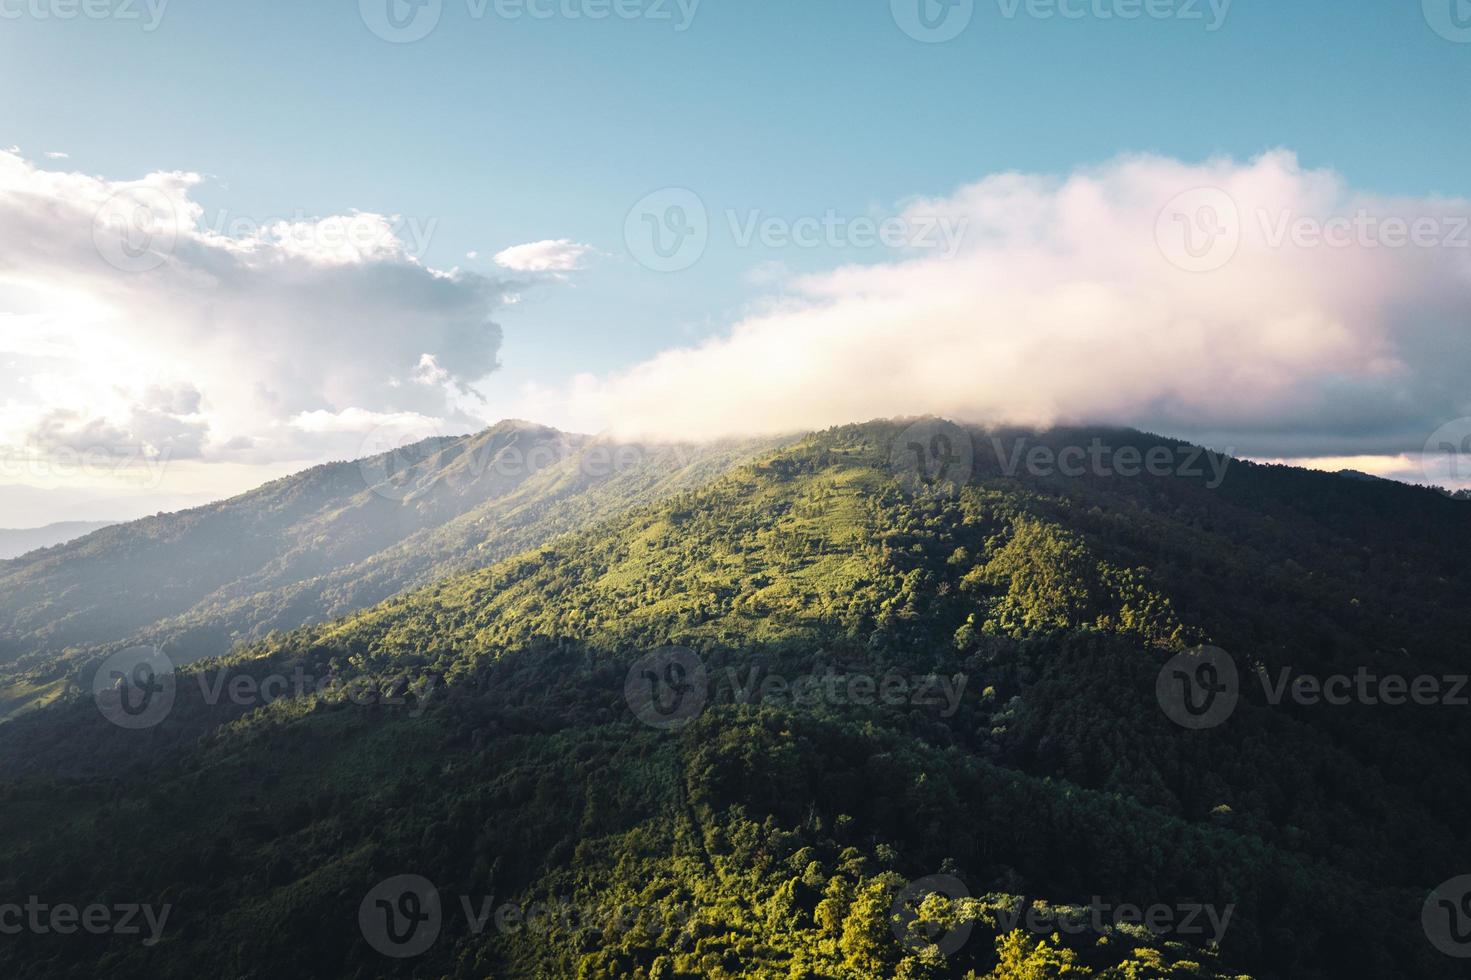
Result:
x=812 y=715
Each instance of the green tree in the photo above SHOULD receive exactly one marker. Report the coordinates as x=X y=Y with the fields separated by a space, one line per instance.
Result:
x=1024 y=957
x=867 y=943
x=833 y=908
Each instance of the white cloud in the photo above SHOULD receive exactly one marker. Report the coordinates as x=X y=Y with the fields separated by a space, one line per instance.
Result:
x=57 y=155
x=429 y=372
x=340 y=239
x=1063 y=304
x=556 y=255
x=130 y=322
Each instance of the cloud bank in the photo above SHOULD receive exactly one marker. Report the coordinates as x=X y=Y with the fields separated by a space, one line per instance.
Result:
x=130 y=324
x=1258 y=304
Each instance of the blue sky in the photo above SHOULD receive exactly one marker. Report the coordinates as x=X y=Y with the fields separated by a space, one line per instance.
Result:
x=498 y=130
x=506 y=131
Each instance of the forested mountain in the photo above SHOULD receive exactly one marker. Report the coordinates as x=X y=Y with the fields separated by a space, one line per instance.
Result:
x=824 y=715
x=319 y=545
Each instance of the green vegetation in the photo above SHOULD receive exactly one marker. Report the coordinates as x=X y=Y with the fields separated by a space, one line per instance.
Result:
x=499 y=759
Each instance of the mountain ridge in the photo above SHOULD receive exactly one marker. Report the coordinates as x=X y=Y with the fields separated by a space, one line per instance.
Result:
x=500 y=752
x=18 y=542
x=320 y=543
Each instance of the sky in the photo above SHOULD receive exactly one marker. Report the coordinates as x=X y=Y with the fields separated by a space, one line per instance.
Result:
x=238 y=239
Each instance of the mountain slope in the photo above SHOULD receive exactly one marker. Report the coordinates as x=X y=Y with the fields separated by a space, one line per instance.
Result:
x=497 y=752
x=321 y=544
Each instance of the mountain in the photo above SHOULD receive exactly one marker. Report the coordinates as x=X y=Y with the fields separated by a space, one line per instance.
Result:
x=17 y=542
x=318 y=545
x=830 y=712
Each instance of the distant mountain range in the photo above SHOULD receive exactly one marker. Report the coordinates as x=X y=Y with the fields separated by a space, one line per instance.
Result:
x=17 y=542
x=881 y=701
